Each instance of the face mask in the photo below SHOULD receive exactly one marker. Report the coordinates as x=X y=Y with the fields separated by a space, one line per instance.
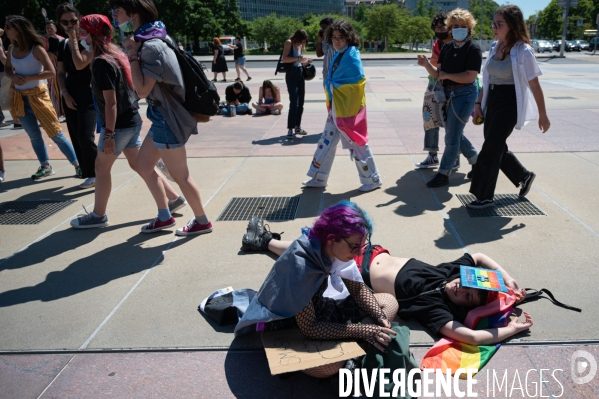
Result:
x=459 y=34
x=127 y=26
x=86 y=46
x=441 y=35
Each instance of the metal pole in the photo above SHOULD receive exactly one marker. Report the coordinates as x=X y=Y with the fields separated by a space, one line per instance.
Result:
x=564 y=29
x=596 y=36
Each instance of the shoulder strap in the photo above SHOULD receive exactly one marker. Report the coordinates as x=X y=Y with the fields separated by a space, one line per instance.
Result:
x=337 y=61
x=535 y=295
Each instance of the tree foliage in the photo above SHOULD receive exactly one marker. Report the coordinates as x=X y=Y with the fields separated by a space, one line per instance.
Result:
x=550 y=20
x=274 y=30
x=386 y=21
x=483 y=17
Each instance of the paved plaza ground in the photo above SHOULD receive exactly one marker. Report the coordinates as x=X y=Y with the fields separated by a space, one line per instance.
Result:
x=113 y=313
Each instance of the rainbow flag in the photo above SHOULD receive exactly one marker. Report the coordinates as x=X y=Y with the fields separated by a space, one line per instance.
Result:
x=346 y=87
x=448 y=354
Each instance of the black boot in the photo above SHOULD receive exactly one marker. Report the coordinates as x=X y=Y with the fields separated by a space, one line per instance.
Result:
x=258 y=236
x=438 y=181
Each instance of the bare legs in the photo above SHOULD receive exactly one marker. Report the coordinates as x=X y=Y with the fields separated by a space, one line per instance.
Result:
x=240 y=68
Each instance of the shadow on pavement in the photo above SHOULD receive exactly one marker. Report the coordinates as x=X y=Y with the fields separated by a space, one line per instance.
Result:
x=310 y=139
x=95 y=270
x=9 y=185
x=248 y=376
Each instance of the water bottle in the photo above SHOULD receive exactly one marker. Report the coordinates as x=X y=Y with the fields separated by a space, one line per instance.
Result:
x=233 y=110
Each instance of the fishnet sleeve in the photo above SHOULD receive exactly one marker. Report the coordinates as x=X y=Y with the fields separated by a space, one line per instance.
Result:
x=313 y=329
x=366 y=300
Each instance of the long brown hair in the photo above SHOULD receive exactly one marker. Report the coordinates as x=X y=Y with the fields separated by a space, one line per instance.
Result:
x=517 y=27
x=267 y=84
x=298 y=36
x=27 y=36
x=216 y=42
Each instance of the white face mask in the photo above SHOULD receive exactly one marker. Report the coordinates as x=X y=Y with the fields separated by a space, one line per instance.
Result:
x=86 y=46
x=459 y=34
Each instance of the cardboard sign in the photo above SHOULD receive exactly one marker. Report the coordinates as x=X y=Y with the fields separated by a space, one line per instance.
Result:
x=289 y=350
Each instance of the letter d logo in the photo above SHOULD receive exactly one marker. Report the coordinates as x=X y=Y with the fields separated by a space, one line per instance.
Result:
x=579 y=366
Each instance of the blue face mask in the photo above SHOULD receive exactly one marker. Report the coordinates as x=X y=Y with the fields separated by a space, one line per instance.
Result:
x=459 y=34
x=86 y=46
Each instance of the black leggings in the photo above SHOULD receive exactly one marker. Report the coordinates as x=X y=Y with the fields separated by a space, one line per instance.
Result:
x=500 y=119
x=296 y=86
x=81 y=124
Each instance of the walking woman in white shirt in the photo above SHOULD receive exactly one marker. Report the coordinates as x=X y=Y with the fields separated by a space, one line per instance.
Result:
x=511 y=97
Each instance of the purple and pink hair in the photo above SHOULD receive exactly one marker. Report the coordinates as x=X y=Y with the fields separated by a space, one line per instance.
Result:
x=341 y=220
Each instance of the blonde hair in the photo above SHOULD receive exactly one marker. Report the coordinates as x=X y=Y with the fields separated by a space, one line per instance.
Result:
x=461 y=17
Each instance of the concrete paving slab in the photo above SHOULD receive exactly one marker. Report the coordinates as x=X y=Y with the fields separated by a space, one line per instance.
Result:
x=28 y=376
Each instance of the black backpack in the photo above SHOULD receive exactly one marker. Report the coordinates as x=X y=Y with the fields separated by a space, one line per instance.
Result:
x=201 y=96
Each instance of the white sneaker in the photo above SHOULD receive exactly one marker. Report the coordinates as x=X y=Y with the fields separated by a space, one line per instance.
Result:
x=1 y=177
x=90 y=182
x=369 y=187
x=314 y=183
x=276 y=112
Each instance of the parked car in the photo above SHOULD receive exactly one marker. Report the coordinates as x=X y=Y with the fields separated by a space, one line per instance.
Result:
x=584 y=45
x=574 y=46
x=541 y=46
x=568 y=47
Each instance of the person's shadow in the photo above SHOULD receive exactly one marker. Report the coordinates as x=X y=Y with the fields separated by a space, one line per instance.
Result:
x=97 y=269
x=282 y=140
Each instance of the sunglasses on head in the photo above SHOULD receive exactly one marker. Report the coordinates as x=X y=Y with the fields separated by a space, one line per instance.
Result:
x=66 y=22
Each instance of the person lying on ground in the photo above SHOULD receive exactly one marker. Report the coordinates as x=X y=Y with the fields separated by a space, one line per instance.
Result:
x=237 y=95
x=316 y=284
x=432 y=295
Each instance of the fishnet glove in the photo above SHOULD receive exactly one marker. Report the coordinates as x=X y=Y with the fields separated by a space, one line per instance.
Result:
x=366 y=301
x=313 y=329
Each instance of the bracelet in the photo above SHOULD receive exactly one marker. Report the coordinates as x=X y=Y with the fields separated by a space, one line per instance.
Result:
x=135 y=58
x=109 y=132
x=108 y=137
x=477 y=103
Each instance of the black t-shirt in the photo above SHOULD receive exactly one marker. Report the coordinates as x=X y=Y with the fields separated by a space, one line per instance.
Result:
x=77 y=81
x=244 y=95
x=468 y=57
x=107 y=76
x=431 y=310
x=238 y=52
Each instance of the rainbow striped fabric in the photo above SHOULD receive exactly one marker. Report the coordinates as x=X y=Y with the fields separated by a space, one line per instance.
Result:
x=448 y=354
x=346 y=87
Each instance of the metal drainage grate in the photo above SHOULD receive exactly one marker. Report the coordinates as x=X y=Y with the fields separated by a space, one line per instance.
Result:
x=315 y=101
x=398 y=100
x=505 y=205
x=30 y=212
x=563 y=98
x=268 y=208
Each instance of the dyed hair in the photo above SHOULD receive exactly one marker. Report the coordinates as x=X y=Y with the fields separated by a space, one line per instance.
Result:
x=298 y=36
x=267 y=84
x=216 y=41
x=145 y=8
x=347 y=31
x=341 y=220
x=103 y=48
x=461 y=17
x=27 y=37
x=439 y=18
x=516 y=25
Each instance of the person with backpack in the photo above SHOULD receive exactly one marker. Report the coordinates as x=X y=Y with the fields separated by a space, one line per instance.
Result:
x=157 y=76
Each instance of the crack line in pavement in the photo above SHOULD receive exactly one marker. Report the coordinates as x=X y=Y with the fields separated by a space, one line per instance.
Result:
x=445 y=215
x=161 y=256
x=588 y=160
x=60 y=224
x=563 y=208
x=57 y=375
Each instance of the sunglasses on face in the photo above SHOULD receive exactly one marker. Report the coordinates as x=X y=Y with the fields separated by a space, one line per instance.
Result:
x=440 y=28
x=355 y=248
x=67 y=22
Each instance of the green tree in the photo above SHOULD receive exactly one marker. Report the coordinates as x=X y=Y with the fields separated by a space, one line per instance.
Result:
x=550 y=21
x=274 y=30
x=416 y=29
x=361 y=12
x=422 y=8
x=483 y=23
x=386 y=22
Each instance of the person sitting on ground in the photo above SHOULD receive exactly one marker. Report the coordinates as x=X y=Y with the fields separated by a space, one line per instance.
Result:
x=442 y=309
x=316 y=284
x=237 y=95
x=269 y=99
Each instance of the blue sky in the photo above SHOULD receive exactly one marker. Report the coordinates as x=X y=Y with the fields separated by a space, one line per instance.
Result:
x=528 y=7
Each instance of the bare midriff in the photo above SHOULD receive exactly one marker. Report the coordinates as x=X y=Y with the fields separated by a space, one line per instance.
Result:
x=383 y=271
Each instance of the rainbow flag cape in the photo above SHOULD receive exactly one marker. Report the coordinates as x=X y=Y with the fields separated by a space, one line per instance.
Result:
x=346 y=87
x=448 y=354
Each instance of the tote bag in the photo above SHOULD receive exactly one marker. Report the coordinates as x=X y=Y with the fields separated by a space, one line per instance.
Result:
x=432 y=107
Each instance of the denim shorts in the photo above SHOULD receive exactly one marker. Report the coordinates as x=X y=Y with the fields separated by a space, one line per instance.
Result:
x=123 y=138
x=160 y=132
x=240 y=61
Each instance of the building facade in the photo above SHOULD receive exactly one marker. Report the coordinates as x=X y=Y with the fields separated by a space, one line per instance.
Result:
x=251 y=9
x=441 y=4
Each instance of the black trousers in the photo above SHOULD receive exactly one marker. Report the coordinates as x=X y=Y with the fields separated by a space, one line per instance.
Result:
x=81 y=124
x=296 y=86
x=500 y=120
